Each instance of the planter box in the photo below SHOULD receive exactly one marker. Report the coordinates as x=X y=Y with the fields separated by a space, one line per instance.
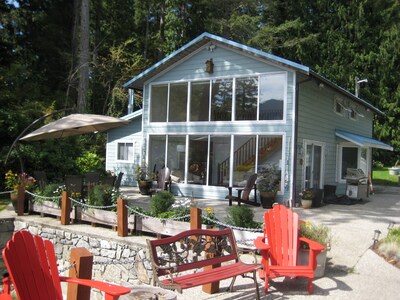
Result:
x=394 y=171
x=163 y=227
x=245 y=239
x=303 y=257
x=49 y=208
x=99 y=216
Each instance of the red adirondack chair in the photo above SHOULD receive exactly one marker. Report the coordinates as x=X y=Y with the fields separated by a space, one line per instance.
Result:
x=279 y=247
x=32 y=265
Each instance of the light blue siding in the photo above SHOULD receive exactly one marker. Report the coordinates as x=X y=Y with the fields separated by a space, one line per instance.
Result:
x=131 y=133
x=317 y=121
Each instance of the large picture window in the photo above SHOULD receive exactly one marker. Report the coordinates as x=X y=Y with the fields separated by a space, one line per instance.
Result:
x=206 y=159
x=254 y=98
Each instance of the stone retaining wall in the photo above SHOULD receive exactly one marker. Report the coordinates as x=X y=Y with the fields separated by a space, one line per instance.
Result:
x=118 y=260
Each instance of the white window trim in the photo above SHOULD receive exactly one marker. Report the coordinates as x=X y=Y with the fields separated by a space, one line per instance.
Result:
x=339 y=101
x=322 y=170
x=134 y=144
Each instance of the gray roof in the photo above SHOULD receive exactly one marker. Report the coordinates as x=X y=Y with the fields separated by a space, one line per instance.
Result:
x=138 y=81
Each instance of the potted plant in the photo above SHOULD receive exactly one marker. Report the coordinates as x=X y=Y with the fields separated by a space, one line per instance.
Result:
x=144 y=179
x=13 y=181
x=395 y=170
x=307 y=197
x=268 y=185
x=321 y=234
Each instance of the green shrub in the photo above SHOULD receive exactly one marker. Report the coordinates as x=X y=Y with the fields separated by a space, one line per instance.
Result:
x=90 y=162
x=241 y=216
x=100 y=195
x=50 y=190
x=161 y=202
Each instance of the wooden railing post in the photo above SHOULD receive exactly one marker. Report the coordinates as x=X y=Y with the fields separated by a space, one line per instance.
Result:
x=65 y=209
x=21 y=200
x=195 y=218
x=122 y=215
x=83 y=261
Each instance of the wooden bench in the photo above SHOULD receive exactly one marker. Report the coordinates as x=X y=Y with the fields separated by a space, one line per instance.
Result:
x=176 y=260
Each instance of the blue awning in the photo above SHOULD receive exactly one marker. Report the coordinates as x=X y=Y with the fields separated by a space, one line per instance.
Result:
x=362 y=141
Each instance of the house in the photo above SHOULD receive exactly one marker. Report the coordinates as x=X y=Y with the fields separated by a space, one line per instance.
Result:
x=215 y=111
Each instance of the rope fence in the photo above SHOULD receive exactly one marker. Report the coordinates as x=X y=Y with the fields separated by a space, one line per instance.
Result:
x=131 y=211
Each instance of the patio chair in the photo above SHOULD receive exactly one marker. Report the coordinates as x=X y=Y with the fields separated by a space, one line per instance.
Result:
x=279 y=247
x=117 y=183
x=41 y=178
x=74 y=184
x=243 y=194
x=92 y=178
x=32 y=265
x=109 y=180
x=163 y=181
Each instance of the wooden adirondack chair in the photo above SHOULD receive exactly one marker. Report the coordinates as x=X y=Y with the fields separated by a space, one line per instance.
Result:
x=279 y=247
x=243 y=194
x=32 y=265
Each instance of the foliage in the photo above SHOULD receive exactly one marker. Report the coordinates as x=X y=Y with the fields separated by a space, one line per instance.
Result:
x=49 y=190
x=390 y=245
x=268 y=179
x=89 y=162
x=142 y=172
x=319 y=233
x=308 y=194
x=100 y=195
x=13 y=180
x=241 y=216
x=210 y=213
x=161 y=202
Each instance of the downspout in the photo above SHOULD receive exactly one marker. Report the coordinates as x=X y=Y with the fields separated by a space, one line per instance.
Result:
x=296 y=112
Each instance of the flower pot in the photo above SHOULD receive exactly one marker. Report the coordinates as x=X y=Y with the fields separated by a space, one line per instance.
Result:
x=267 y=199
x=14 y=201
x=306 y=203
x=145 y=186
x=394 y=171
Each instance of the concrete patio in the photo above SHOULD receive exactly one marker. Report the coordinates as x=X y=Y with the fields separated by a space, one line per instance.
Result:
x=353 y=270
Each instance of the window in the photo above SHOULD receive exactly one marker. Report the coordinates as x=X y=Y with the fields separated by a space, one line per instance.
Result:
x=199 y=101
x=221 y=100
x=349 y=160
x=253 y=98
x=353 y=114
x=125 y=151
x=246 y=98
x=158 y=108
x=208 y=160
x=272 y=90
x=178 y=102
x=338 y=106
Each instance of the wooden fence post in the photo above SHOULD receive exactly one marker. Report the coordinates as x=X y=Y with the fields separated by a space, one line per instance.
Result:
x=122 y=216
x=65 y=209
x=83 y=261
x=21 y=200
x=195 y=218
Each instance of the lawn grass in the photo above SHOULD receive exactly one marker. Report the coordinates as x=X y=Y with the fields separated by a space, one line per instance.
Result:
x=4 y=203
x=381 y=177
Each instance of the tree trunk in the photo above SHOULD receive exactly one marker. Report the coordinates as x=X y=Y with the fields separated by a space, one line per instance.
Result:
x=83 y=57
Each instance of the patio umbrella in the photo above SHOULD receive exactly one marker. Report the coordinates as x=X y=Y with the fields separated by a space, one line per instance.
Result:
x=74 y=124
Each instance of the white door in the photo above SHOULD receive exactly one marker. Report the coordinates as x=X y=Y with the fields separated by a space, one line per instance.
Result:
x=313 y=165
